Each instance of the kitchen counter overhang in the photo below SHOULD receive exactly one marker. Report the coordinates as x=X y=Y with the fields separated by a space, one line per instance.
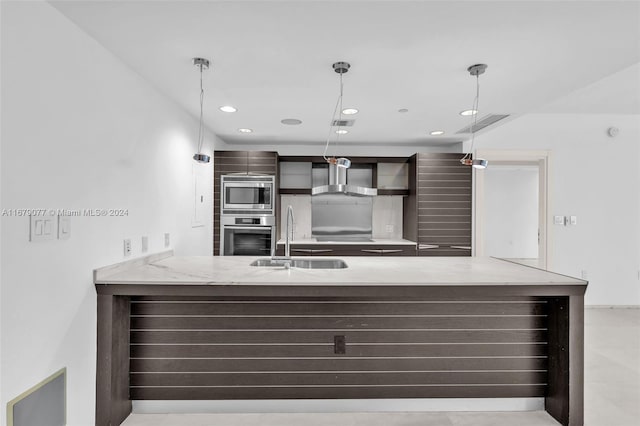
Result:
x=533 y=321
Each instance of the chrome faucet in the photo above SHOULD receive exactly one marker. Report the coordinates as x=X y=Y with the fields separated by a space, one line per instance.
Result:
x=286 y=259
x=287 y=242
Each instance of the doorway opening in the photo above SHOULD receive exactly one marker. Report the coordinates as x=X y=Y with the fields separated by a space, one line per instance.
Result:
x=511 y=207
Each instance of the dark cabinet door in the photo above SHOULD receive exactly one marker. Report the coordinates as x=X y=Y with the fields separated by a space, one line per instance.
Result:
x=438 y=208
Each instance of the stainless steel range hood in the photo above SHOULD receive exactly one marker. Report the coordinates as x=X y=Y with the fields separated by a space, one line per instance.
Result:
x=338 y=184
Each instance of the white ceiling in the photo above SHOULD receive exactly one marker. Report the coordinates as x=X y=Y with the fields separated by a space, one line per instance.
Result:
x=272 y=60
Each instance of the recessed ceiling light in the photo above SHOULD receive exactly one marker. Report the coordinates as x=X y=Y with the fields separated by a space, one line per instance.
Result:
x=342 y=132
x=245 y=130
x=349 y=111
x=403 y=110
x=468 y=112
x=291 y=121
x=437 y=133
x=227 y=108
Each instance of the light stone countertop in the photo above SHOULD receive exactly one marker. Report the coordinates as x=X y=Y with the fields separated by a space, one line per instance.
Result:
x=374 y=241
x=361 y=271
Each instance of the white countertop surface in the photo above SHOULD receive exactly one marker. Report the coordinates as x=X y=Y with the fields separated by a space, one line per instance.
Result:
x=374 y=241
x=368 y=270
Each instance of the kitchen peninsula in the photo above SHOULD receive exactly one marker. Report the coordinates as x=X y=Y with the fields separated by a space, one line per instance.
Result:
x=385 y=327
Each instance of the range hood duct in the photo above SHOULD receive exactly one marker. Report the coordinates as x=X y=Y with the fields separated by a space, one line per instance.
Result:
x=338 y=185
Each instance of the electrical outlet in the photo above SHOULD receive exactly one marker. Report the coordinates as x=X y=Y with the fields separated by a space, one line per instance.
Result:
x=558 y=220
x=389 y=229
x=167 y=239
x=144 y=247
x=127 y=247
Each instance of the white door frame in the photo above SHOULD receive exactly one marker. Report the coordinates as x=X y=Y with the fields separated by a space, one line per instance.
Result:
x=542 y=159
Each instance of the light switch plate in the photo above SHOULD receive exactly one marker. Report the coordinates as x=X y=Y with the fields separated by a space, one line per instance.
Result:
x=127 y=247
x=144 y=247
x=167 y=239
x=558 y=220
x=64 y=227
x=573 y=220
x=43 y=227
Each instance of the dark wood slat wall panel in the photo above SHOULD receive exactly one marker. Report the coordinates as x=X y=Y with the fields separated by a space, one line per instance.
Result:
x=437 y=211
x=228 y=162
x=443 y=190
x=208 y=348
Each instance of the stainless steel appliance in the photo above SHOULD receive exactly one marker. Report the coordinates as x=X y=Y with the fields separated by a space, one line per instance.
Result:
x=247 y=195
x=337 y=217
x=247 y=235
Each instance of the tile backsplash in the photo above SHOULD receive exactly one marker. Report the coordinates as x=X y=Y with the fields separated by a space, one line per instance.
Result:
x=387 y=216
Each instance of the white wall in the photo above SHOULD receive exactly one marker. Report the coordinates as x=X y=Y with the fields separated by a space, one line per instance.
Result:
x=597 y=179
x=80 y=130
x=511 y=216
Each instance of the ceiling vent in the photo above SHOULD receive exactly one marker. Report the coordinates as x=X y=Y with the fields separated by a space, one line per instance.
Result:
x=485 y=122
x=342 y=123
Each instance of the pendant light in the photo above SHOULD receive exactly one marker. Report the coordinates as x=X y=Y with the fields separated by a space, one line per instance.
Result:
x=338 y=166
x=478 y=163
x=341 y=68
x=202 y=64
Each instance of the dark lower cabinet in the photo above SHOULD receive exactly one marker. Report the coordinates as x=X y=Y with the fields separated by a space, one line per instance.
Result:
x=348 y=250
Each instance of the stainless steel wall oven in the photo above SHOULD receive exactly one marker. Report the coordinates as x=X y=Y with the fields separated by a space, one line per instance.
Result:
x=247 y=215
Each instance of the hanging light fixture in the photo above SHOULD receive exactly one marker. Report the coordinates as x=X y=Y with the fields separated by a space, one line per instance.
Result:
x=202 y=64
x=338 y=166
x=478 y=163
x=340 y=68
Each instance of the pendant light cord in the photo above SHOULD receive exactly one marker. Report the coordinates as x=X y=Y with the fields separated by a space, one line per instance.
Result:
x=474 y=122
x=201 y=127
x=333 y=116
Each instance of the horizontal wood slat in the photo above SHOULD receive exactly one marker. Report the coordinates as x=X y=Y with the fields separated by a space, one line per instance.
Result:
x=327 y=350
x=338 y=323
x=332 y=378
x=328 y=308
x=339 y=364
x=310 y=336
x=334 y=392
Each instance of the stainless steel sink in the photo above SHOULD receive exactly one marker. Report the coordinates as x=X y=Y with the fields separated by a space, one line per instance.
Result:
x=302 y=263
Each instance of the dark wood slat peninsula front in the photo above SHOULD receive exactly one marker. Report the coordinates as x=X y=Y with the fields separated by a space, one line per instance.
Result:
x=385 y=327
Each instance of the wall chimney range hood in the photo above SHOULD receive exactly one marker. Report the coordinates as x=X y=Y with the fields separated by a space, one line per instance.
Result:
x=338 y=182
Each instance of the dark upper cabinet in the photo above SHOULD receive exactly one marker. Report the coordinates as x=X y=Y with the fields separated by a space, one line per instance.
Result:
x=437 y=212
x=248 y=162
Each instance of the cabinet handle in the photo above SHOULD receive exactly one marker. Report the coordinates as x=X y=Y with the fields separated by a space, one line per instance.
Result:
x=392 y=251
x=373 y=251
x=461 y=247
x=427 y=246
x=322 y=251
x=303 y=250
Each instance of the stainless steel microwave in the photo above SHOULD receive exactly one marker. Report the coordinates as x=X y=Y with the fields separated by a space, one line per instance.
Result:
x=247 y=195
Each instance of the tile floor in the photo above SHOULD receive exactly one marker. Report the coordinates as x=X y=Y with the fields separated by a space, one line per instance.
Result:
x=612 y=391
